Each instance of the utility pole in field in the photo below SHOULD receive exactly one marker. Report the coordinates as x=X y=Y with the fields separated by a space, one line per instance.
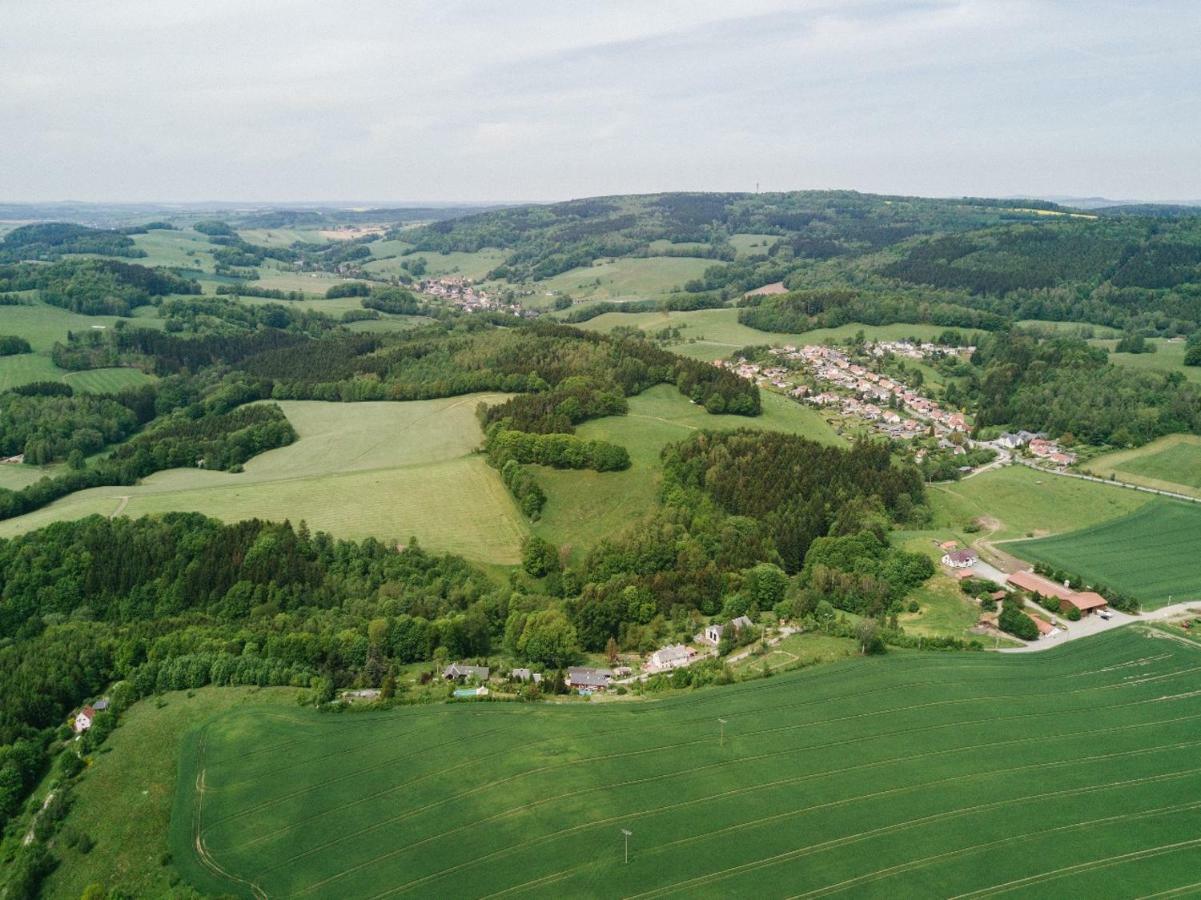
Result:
x=722 y=722
x=627 y=837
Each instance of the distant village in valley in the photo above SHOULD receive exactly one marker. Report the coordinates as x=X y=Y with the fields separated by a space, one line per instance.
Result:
x=836 y=380
x=463 y=294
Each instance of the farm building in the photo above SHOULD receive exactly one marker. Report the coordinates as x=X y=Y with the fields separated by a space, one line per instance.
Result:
x=587 y=679
x=960 y=559
x=671 y=657
x=461 y=672
x=1085 y=601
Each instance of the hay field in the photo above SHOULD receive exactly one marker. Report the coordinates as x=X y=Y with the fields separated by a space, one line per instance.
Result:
x=384 y=470
x=1072 y=773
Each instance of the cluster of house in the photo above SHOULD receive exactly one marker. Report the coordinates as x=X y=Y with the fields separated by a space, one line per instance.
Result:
x=1087 y=602
x=866 y=395
x=463 y=293
x=915 y=349
x=1038 y=445
x=584 y=679
x=86 y=716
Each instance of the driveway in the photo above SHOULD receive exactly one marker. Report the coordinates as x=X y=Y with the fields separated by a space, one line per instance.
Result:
x=1094 y=624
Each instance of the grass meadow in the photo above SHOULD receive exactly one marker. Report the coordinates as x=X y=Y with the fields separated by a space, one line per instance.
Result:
x=1015 y=502
x=1169 y=357
x=632 y=278
x=384 y=470
x=1153 y=554
x=584 y=507
x=463 y=265
x=1172 y=463
x=1070 y=773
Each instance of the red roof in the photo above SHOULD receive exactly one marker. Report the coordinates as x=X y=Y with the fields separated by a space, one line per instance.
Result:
x=1044 y=627
x=1087 y=600
x=1029 y=581
x=89 y=712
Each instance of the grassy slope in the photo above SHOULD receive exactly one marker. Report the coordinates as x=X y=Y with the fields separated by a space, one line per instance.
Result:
x=625 y=278
x=387 y=470
x=1020 y=501
x=716 y=333
x=124 y=800
x=1172 y=463
x=1153 y=554
x=466 y=265
x=42 y=326
x=899 y=776
x=1169 y=357
x=584 y=507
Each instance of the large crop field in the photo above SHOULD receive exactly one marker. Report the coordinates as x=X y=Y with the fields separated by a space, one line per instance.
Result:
x=627 y=278
x=585 y=506
x=384 y=470
x=1153 y=554
x=1072 y=773
x=1172 y=463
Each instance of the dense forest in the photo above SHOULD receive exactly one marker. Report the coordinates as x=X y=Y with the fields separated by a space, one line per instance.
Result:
x=95 y=287
x=51 y=240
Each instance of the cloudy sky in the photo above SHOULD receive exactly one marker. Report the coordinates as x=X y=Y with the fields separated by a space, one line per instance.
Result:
x=272 y=100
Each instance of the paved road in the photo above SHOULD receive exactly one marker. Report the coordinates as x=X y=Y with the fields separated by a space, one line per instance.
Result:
x=1094 y=624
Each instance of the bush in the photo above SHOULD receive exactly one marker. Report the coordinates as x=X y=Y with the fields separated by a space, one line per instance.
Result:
x=1073 y=614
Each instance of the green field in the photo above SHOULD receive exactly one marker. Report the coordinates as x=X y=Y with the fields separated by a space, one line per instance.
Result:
x=1169 y=357
x=1172 y=463
x=627 y=278
x=104 y=381
x=753 y=244
x=384 y=470
x=1153 y=554
x=1072 y=773
x=1015 y=501
x=716 y=333
x=585 y=506
x=466 y=265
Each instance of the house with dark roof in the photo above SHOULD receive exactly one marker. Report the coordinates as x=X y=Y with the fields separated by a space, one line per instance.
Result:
x=461 y=672
x=960 y=559
x=584 y=678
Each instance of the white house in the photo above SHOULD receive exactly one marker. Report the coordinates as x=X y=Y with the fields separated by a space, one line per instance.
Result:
x=83 y=719
x=671 y=657
x=960 y=559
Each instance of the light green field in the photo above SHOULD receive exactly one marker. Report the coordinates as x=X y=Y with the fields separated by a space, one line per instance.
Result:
x=1099 y=331
x=1172 y=463
x=282 y=237
x=106 y=381
x=186 y=249
x=25 y=368
x=753 y=244
x=42 y=325
x=584 y=506
x=716 y=333
x=1153 y=554
x=795 y=651
x=1014 y=501
x=14 y=477
x=466 y=265
x=633 y=278
x=1069 y=774
x=124 y=800
x=384 y=470
x=316 y=283
x=1169 y=357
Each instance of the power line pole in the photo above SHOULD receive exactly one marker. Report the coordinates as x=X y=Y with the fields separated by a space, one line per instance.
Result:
x=627 y=837
x=723 y=732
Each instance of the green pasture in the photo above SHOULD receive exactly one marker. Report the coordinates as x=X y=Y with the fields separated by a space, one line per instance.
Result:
x=384 y=470
x=627 y=278
x=1168 y=357
x=1016 y=501
x=716 y=333
x=584 y=506
x=1069 y=773
x=1172 y=463
x=1153 y=554
x=106 y=381
x=464 y=265
x=177 y=249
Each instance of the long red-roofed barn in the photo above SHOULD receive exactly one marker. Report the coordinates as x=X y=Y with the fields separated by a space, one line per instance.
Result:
x=1085 y=601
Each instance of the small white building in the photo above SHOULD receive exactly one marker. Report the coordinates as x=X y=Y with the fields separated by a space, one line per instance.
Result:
x=671 y=657
x=84 y=719
x=960 y=559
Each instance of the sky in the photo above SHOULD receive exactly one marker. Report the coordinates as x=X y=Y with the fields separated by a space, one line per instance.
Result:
x=524 y=100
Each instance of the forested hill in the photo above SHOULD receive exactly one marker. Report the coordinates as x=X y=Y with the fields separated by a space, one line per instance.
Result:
x=1137 y=268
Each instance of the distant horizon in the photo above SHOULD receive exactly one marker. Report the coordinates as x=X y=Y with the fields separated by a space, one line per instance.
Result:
x=340 y=203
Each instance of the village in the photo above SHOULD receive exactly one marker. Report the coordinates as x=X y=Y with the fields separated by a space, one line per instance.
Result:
x=832 y=379
x=463 y=294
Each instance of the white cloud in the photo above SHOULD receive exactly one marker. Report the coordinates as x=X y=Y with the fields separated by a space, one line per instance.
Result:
x=494 y=100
